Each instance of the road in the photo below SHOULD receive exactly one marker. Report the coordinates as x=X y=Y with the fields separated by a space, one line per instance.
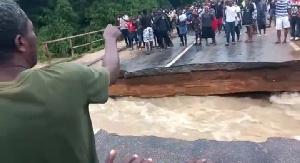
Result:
x=162 y=150
x=157 y=59
x=262 y=50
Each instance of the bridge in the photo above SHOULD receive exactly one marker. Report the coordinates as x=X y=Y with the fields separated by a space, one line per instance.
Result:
x=200 y=70
x=261 y=66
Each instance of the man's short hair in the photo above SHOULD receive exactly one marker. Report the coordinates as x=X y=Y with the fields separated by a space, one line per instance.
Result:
x=145 y=11
x=13 y=22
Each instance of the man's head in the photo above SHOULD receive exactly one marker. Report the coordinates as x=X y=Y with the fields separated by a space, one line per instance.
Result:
x=206 y=9
x=180 y=11
x=145 y=11
x=158 y=12
x=229 y=2
x=17 y=38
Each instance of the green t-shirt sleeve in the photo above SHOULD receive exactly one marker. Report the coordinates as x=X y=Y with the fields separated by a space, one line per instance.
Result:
x=97 y=84
x=92 y=82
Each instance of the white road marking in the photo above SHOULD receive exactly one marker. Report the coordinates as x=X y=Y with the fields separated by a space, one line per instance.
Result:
x=96 y=130
x=296 y=47
x=180 y=55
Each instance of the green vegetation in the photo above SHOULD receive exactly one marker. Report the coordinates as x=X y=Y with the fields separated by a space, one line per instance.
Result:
x=55 y=19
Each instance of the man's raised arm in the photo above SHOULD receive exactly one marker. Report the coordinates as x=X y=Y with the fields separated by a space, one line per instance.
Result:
x=111 y=60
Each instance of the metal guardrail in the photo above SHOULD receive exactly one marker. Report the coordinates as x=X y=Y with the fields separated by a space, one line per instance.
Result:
x=70 y=39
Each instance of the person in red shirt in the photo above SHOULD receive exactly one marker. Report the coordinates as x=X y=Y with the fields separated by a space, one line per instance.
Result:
x=132 y=27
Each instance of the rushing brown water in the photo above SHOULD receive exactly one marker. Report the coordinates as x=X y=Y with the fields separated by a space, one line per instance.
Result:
x=192 y=118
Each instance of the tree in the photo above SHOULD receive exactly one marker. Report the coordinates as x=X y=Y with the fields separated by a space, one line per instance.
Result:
x=60 y=22
x=55 y=19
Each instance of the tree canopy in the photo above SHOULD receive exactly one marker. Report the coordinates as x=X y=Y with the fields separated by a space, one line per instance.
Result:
x=55 y=19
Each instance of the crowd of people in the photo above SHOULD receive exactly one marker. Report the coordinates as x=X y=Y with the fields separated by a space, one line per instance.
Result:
x=154 y=28
x=44 y=118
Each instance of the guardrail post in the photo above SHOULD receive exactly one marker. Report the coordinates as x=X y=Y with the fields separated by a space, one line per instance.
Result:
x=90 y=41
x=46 y=52
x=71 y=46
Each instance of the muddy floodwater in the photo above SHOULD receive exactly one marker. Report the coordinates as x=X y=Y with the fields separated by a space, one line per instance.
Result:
x=192 y=118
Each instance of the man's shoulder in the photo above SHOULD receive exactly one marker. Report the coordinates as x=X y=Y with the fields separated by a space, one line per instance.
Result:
x=142 y=17
x=59 y=74
x=68 y=66
x=282 y=2
x=68 y=69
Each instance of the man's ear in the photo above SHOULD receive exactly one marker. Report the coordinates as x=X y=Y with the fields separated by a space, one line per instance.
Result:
x=20 y=43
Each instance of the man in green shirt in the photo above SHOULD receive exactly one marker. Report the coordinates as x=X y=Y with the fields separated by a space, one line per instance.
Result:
x=44 y=114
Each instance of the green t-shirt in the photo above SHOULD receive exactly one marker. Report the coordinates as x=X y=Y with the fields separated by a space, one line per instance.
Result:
x=44 y=116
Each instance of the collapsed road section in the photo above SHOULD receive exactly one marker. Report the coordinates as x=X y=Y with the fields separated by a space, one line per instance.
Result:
x=258 y=67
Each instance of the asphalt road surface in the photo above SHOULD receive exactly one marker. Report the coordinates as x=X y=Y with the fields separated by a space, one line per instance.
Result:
x=162 y=150
x=263 y=49
x=156 y=59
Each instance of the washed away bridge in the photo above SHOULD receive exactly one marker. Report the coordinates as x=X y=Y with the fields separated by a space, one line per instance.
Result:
x=261 y=66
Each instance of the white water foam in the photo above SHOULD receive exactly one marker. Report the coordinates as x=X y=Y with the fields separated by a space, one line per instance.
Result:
x=286 y=98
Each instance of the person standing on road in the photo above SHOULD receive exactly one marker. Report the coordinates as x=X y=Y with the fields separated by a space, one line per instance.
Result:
x=214 y=22
x=140 y=33
x=183 y=28
x=261 y=6
x=163 y=27
x=247 y=20
x=154 y=17
x=254 y=16
x=219 y=16
x=283 y=16
x=44 y=115
x=272 y=12
x=146 y=22
x=207 y=29
x=238 y=22
x=132 y=28
x=295 y=20
x=230 y=17
x=168 y=40
x=197 y=27
x=124 y=29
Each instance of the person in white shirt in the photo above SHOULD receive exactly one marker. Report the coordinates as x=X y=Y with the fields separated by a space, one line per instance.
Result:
x=200 y=10
x=230 y=18
x=182 y=17
x=123 y=27
x=283 y=17
x=238 y=22
x=183 y=28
